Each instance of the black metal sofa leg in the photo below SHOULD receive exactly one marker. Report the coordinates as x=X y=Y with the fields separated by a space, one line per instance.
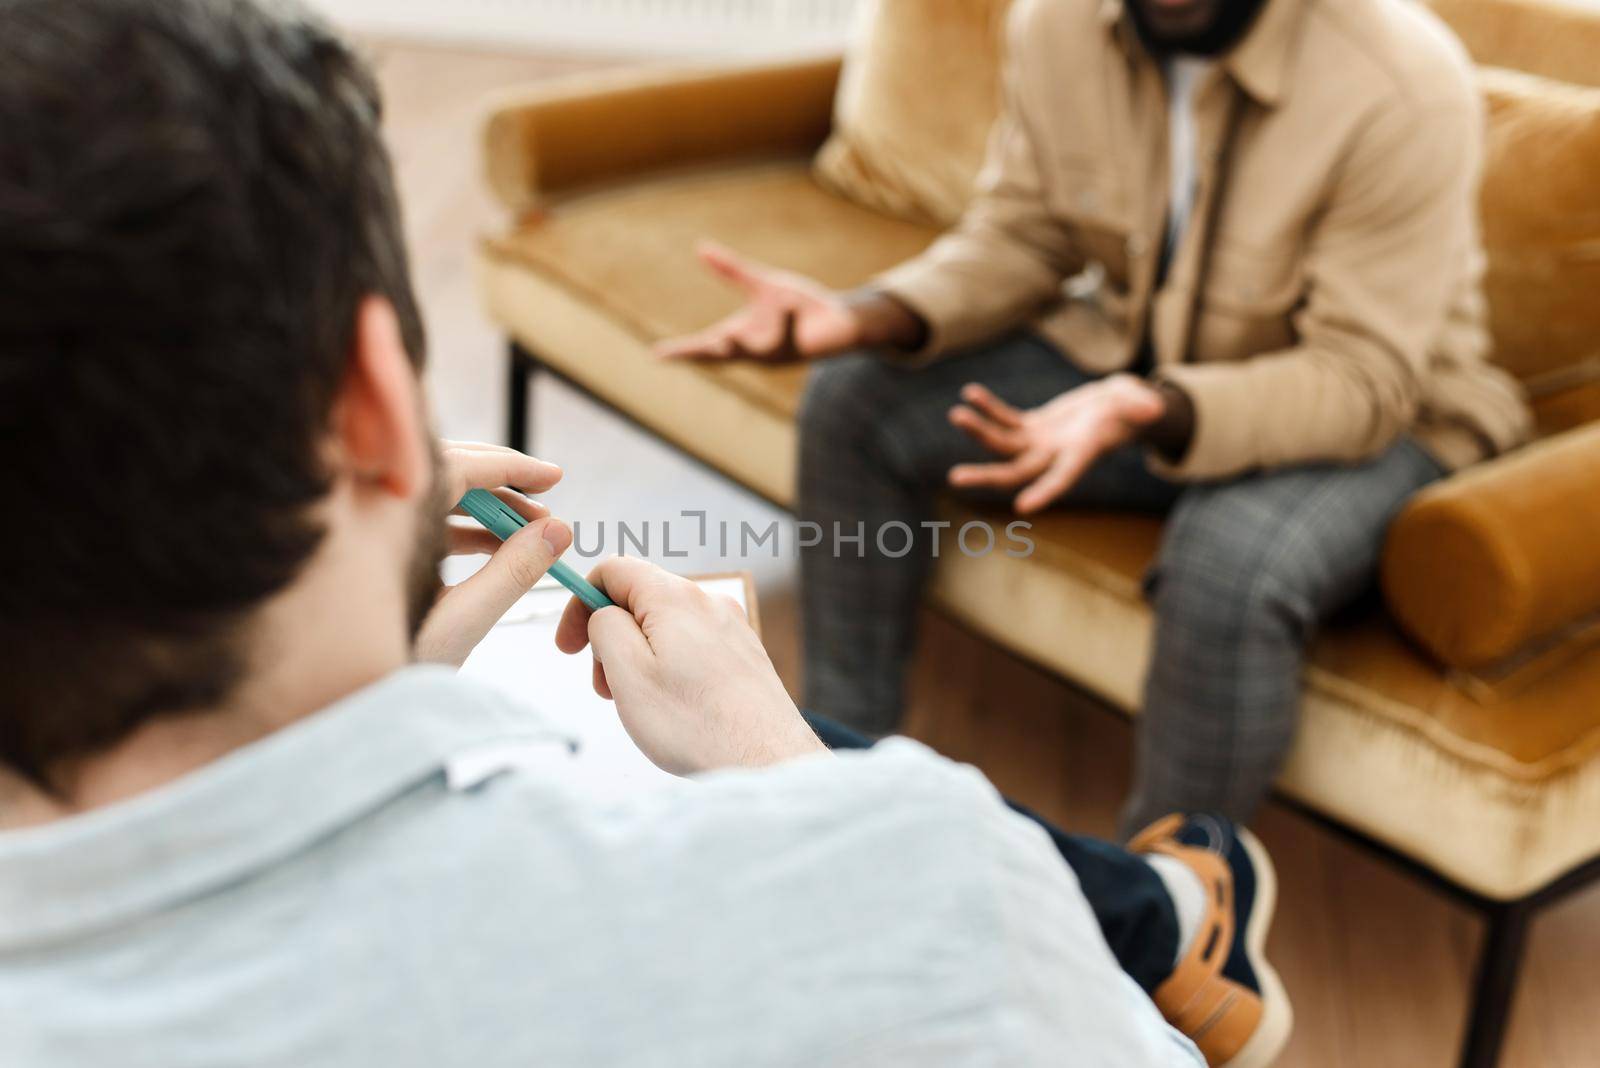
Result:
x=1499 y=961
x=521 y=365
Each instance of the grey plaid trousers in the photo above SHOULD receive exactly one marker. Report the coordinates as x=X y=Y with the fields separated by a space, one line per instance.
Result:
x=1246 y=570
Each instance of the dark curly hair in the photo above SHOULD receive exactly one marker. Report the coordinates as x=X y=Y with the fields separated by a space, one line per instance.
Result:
x=194 y=199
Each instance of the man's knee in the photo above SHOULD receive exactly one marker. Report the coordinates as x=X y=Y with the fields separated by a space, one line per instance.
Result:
x=1228 y=566
x=844 y=398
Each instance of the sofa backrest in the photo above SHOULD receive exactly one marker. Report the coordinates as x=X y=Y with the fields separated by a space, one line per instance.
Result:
x=919 y=89
x=1557 y=39
x=918 y=93
x=1539 y=70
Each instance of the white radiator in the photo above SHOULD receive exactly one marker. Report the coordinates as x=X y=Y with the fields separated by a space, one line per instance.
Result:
x=674 y=27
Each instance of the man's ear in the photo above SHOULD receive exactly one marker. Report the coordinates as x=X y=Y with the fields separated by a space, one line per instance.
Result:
x=378 y=415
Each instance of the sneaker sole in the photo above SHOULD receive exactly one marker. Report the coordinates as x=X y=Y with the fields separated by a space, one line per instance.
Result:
x=1277 y=1015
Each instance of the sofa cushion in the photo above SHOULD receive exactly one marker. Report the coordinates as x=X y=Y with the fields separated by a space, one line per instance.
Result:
x=632 y=251
x=1493 y=781
x=1541 y=226
x=896 y=145
x=609 y=273
x=1553 y=38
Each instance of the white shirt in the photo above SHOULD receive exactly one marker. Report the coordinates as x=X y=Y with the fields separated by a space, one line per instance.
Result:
x=381 y=884
x=1184 y=74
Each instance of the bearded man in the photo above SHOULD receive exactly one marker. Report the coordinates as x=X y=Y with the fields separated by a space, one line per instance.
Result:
x=1222 y=264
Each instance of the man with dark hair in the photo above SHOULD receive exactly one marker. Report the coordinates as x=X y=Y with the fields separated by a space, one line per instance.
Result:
x=243 y=822
x=1222 y=263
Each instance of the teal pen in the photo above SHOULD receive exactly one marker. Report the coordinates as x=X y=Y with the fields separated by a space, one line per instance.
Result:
x=502 y=521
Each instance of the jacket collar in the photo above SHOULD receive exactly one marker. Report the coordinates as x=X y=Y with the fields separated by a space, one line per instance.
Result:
x=1259 y=63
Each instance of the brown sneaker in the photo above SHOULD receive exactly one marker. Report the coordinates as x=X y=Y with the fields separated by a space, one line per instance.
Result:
x=1223 y=994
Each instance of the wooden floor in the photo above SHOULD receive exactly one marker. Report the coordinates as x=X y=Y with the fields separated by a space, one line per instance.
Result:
x=1378 y=967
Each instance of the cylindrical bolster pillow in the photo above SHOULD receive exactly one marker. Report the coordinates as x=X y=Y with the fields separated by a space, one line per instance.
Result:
x=1479 y=565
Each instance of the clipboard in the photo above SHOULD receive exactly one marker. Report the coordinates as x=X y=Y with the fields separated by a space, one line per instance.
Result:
x=549 y=598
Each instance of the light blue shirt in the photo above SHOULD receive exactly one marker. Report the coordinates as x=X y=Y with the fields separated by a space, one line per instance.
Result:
x=424 y=874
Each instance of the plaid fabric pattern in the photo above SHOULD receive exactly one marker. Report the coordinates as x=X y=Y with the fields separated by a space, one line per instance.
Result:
x=1246 y=570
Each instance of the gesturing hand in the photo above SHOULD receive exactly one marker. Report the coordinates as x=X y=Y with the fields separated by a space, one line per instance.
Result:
x=1050 y=447
x=786 y=317
x=692 y=684
x=464 y=613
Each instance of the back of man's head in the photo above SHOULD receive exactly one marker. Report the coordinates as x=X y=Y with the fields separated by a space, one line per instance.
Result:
x=193 y=202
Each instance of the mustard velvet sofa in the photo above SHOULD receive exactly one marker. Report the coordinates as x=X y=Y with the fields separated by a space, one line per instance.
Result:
x=1457 y=730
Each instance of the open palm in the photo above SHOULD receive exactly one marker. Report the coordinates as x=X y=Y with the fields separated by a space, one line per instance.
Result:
x=786 y=316
x=1045 y=450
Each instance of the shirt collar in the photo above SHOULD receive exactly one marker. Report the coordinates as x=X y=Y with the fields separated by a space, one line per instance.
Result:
x=1259 y=63
x=255 y=806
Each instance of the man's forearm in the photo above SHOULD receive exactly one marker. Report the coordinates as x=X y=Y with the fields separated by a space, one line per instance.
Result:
x=886 y=320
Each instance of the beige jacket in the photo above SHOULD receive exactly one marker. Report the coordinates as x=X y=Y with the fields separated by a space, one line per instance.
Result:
x=1342 y=306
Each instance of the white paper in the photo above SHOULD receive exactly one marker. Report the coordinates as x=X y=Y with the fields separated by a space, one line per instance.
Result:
x=519 y=657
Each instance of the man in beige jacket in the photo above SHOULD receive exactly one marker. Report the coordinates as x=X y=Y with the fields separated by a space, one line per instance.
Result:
x=1222 y=262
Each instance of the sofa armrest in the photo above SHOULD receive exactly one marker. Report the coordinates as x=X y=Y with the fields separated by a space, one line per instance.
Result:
x=1503 y=554
x=576 y=132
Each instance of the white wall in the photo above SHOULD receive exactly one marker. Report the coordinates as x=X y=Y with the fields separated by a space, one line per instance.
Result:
x=663 y=27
